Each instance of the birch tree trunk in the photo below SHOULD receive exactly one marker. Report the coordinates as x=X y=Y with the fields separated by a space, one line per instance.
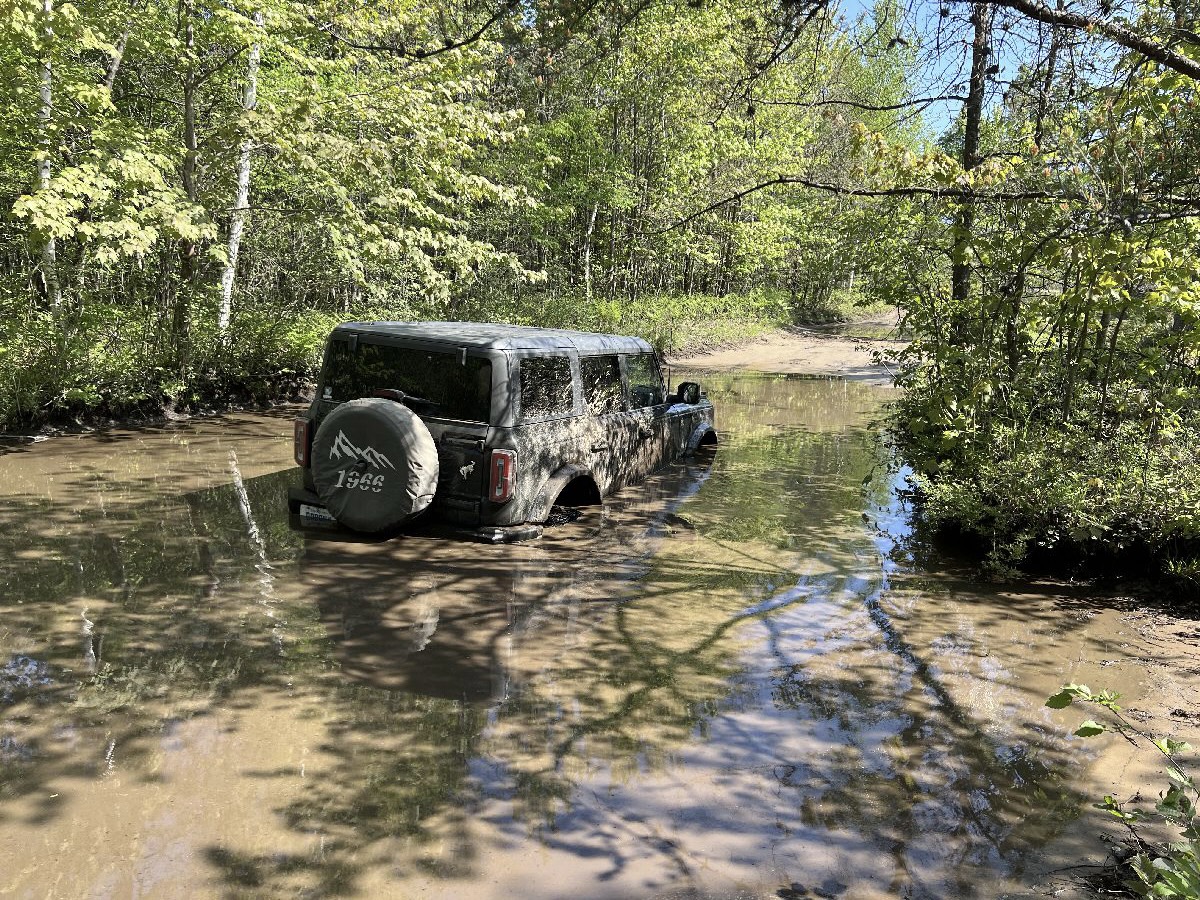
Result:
x=237 y=218
x=49 y=253
x=587 y=253
x=114 y=64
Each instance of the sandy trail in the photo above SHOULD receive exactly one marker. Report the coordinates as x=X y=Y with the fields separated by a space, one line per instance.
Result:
x=809 y=352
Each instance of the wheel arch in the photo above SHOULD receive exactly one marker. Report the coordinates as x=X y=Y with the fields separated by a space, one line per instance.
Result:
x=703 y=435
x=577 y=481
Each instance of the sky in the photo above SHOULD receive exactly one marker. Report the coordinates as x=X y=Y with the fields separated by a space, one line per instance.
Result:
x=943 y=45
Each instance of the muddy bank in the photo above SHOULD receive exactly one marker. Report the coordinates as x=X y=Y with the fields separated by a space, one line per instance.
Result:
x=849 y=351
x=285 y=392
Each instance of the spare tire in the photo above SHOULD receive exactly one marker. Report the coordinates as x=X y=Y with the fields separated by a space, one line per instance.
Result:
x=374 y=464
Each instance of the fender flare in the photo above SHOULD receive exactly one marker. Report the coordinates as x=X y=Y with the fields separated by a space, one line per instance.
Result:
x=698 y=433
x=539 y=509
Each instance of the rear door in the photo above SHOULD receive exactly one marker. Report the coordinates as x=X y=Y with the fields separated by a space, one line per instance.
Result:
x=548 y=431
x=612 y=435
x=450 y=388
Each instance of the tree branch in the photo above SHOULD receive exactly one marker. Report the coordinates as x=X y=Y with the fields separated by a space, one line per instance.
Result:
x=855 y=104
x=1117 y=32
x=904 y=191
x=422 y=53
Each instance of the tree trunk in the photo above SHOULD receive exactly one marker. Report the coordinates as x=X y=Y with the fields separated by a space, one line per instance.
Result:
x=1043 y=103
x=237 y=218
x=960 y=276
x=187 y=247
x=587 y=254
x=114 y=64
x=1012 y=346
x=49 y=251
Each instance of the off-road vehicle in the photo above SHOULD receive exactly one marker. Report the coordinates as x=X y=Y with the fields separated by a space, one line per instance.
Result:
x=487 y=427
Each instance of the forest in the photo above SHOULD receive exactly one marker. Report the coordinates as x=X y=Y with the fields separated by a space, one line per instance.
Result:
x=193 y=192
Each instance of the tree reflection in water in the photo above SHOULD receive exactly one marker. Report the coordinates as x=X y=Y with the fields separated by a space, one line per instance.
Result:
x=721 y=681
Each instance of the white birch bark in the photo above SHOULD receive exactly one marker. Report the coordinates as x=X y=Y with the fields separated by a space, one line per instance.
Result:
x=114 y=64
x=587 y=253
x=237 y=218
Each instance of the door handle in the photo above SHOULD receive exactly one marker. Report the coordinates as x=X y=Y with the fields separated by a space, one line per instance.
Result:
x=597 y=448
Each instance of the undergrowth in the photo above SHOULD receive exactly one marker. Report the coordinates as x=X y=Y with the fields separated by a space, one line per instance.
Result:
x=1165 y=869
x=109 y=361
x=673 y=323
x=1106 y=490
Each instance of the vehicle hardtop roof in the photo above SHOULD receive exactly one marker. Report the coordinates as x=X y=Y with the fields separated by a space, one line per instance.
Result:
x=491 y=336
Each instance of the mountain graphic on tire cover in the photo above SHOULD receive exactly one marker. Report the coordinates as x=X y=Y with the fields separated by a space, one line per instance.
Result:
x=342 y=447
x=374 y=464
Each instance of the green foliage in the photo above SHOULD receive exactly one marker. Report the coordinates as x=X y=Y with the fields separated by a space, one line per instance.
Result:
x=1073 y=494
x=1168 y=870
x=404 y=163
x=110 y=365
x=1052 y=410
x=1072 y=692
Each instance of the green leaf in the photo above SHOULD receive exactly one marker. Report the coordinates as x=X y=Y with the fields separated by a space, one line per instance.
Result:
x=1112 y=807
x=1180 y=777
x=1171 y=747
x=1090 y=728
x=1174 y=803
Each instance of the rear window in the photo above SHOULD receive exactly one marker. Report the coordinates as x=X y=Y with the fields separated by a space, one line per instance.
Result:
x=545 y=387
x=454 y=390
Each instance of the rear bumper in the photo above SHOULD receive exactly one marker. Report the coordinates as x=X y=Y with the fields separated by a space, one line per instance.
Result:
x=307 y=512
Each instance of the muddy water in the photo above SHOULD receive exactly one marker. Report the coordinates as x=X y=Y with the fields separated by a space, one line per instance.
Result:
x=730 y=682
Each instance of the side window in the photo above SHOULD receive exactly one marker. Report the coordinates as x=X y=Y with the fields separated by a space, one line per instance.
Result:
x=545 y=387
x=645 y=381
x=601 y=377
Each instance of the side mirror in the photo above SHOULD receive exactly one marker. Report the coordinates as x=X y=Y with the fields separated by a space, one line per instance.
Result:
x=688 y=392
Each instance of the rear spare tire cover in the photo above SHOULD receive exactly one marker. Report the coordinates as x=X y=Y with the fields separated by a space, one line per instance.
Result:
x=374 y=464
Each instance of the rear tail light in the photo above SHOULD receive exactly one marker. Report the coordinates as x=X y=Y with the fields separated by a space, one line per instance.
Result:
x=301 y=441
x=503 y=475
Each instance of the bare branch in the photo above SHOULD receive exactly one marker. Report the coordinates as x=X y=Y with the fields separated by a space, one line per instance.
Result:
x=952 y=193
x=422 y=53
x=855 y=104
x=1117 y=32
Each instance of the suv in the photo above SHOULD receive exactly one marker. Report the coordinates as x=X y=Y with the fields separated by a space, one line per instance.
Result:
x=486 y=426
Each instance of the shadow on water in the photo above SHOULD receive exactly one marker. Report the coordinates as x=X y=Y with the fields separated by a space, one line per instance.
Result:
x=723 y=682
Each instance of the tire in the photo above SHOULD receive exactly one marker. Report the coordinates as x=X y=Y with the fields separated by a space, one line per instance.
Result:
x=374 y=464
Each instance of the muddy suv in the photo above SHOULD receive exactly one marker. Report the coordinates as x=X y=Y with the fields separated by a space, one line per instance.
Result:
x=487 y=427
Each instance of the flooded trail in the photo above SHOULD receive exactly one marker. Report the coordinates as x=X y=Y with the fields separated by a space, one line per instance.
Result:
x=729 y=682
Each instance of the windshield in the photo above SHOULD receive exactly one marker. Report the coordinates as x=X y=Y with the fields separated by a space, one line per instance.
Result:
x=437 y=382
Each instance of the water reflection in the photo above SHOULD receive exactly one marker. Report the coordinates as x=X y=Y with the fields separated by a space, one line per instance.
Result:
x=725 y=682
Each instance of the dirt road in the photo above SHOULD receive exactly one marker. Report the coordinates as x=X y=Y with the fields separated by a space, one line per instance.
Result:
x=849 y=353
